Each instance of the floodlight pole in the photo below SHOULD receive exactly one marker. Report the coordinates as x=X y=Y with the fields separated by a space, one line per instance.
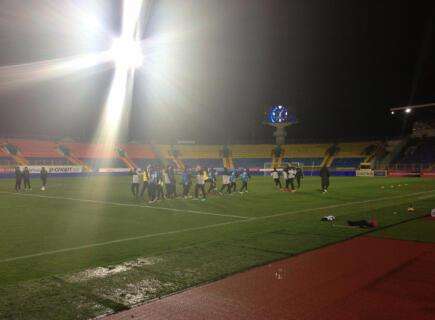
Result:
x=280 y=133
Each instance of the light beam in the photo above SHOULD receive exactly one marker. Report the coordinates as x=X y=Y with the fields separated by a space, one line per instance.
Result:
x=17 y=75
x=126 y=53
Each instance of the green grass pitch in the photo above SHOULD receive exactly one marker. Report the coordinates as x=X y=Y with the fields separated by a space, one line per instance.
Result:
x=85 y=246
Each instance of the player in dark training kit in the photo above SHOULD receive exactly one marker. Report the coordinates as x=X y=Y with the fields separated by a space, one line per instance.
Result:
x=26 y=178
x=44 y=175
x=324 y=176
x=18 y=179
x=299 y=176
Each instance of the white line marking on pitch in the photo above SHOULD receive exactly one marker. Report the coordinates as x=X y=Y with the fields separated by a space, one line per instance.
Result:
x=179 y=211
x=93 y=245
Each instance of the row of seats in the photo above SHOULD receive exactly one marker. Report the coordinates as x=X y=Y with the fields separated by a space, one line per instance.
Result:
x=86 y=150
x=251 y=151
x=36 y=148
x=305 y=150
x=354 y=149
x=349 y=162
x=47 y=148
x=46 y=152
x=250 y=162
x=138 y=151
x=191 y=151
x=208 y=163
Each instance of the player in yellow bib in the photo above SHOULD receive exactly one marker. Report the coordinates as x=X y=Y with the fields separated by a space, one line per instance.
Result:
x=145 y=179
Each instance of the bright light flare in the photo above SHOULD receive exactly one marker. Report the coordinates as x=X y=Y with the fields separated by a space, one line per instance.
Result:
x=408 y=110
x=126 y=53
x=17 y=75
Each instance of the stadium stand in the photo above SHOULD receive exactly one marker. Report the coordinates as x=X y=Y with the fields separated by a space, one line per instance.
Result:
x=250 y=162
x=199 y=151
x=95 y=156
x=307 y=154
x=350 y=162
x=89 y=151
x=305 y=150
x=137 y=155
x=354 y=149
x=251 y=151
x=39 y=152
x=418 y=150
x=352 y=154
x=191 y=155
x=13 y=152
x=248 y=156
x=204 y=163
x=36 y=148
x=5 y=159
x=386 y=155
x=200 y=155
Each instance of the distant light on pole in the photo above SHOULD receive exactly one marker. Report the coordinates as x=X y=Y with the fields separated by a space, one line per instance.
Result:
x=408 y=110
x=393 y=113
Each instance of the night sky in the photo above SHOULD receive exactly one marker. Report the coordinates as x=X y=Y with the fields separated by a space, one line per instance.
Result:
x=338 y=65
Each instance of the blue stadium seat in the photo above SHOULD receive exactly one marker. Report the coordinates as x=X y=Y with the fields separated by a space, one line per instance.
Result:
x=306 y=161
x=251 y=162
x=347 y=162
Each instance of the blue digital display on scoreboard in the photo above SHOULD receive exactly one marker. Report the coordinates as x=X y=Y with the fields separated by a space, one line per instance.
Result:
x=279 y=114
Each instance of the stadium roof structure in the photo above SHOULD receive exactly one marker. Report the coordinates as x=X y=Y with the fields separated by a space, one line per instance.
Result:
x=409 y=108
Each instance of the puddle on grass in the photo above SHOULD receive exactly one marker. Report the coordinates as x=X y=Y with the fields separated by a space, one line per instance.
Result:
x=102 y=272
x=135 y=293
x=95 y=308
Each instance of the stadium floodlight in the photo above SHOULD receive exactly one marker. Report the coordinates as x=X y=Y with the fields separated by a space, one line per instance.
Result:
x=411 y=108
x=393 y=113
x=126 y=53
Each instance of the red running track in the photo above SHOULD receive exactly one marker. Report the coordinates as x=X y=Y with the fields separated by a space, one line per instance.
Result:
x=363 y=278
